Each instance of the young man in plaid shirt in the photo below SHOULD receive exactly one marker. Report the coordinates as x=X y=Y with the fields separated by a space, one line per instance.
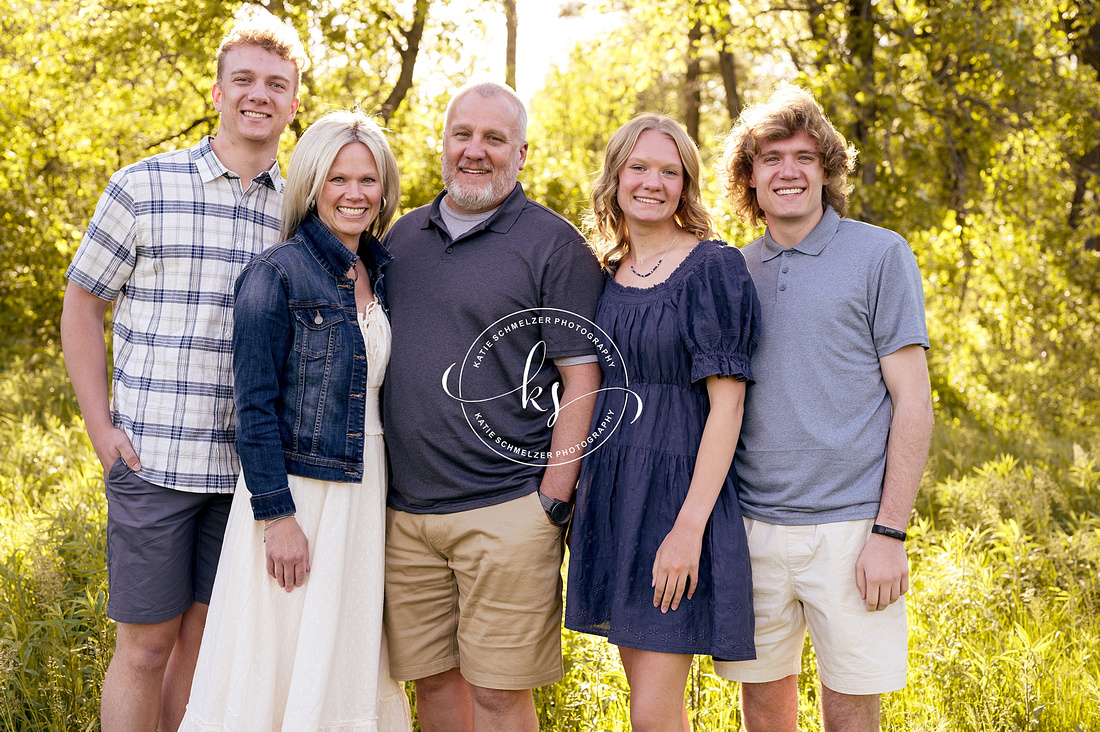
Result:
x=169 y=236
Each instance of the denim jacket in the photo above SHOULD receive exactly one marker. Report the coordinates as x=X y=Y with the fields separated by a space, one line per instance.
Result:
x=300 y=365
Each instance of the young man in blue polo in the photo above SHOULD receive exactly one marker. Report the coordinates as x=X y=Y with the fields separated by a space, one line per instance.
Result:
x=837 y=426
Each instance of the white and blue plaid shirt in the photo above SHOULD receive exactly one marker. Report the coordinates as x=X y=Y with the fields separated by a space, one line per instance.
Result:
x=169 y=237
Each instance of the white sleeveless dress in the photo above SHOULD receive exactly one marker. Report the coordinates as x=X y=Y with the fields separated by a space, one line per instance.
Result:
x=315 y=658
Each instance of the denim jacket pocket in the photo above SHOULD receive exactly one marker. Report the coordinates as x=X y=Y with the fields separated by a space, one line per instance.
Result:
x=318 y=339
x=317 y=334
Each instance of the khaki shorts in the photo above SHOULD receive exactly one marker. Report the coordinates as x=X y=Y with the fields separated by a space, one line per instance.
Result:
x=805 y=576
x=478 y=590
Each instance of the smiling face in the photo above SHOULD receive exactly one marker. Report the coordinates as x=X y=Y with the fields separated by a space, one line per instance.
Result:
x=788 y=177
x=352 y=194
x=651 y=182
x=256 y=96
x=482 y=152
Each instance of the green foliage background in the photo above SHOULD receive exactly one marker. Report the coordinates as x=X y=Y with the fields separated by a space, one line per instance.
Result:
x=978 y=127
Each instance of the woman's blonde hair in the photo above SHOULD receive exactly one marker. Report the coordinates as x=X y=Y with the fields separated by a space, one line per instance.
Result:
x=313 y=156
x=610 y=239
x=789 y=110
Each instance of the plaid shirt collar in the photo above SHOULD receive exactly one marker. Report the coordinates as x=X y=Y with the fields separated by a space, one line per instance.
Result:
x=210 y=167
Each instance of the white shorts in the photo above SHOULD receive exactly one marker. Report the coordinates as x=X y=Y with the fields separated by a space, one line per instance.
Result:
x=805 y=576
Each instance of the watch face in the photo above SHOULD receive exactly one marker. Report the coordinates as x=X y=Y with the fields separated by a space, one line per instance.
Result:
x=560 y=513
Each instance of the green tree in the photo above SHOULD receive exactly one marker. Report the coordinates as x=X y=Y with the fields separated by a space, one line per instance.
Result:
x=92 y=87
x=976 y=125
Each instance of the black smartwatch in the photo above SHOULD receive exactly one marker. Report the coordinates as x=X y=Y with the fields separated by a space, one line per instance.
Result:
x=559 y=511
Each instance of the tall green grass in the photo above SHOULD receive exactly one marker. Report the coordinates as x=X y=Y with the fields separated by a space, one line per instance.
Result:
x=55 y=640
x=1004 y=609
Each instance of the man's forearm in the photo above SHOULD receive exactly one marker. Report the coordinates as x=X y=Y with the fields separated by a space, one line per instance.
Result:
x=85 y=351
x=580 y=385
x=906 y=376
x=906 y=456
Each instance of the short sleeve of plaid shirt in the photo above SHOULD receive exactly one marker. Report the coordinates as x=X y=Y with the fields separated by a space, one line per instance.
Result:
x=106 y=257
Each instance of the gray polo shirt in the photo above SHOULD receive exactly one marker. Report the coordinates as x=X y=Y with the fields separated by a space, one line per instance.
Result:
x=477 y=322
x=813 y=441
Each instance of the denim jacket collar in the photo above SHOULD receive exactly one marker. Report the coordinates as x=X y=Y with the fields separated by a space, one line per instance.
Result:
x=377 y=256
x=331 y=253
x=337 y=259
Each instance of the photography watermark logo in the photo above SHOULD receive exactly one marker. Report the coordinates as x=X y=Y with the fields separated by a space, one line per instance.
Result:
x=511 y=396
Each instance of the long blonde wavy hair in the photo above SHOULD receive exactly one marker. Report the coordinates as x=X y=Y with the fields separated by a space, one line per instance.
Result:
x=608 y=235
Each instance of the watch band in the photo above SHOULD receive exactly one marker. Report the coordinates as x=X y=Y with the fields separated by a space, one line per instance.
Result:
x=887 y=531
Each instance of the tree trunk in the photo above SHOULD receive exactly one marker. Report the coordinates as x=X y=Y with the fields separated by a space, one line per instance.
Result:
x=692 y=85
x=408 y=60
x=728 y=69
x=721 y=32
x=861 y=48
x=1087 y=167
x=512 y=20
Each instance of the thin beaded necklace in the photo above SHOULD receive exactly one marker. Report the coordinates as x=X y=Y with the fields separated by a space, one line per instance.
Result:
x=663 y=253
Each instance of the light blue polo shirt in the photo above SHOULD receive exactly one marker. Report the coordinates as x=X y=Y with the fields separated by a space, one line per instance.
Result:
x=813 y=440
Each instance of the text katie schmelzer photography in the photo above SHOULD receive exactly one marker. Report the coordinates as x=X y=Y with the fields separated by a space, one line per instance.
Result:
x=513 y=350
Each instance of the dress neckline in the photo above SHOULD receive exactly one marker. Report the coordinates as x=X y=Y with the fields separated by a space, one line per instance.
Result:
x=370 y=309
x=677 y=274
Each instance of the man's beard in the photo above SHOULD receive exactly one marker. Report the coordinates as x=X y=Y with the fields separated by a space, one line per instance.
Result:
x=480 y=197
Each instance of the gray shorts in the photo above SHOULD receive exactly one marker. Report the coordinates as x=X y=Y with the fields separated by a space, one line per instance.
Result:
x=162 y=546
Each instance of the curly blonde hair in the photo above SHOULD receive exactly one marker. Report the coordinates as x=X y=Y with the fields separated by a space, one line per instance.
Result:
x=789 y=110
x=256 y=26
x=609 y=238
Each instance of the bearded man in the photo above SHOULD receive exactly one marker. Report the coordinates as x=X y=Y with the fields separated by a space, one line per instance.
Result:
x=490 y=293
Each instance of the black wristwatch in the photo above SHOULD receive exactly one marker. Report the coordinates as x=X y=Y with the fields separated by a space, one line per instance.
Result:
x=559 y=511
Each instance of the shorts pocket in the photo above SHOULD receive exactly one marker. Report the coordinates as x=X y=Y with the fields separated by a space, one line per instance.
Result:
x=118 y=470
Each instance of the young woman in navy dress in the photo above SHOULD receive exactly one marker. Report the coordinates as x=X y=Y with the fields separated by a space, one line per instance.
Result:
x=658 y=557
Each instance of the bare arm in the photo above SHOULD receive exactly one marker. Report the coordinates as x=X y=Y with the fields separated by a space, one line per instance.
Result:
x=676 y=566
x=580 y=382
x=882 y=571
x=85 y=352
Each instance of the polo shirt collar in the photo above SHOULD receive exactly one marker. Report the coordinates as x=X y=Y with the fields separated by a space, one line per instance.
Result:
x=500 y=222
x=210 y=167
x=814 y=243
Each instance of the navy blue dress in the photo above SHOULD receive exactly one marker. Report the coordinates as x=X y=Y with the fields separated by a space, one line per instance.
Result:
x=702 y=321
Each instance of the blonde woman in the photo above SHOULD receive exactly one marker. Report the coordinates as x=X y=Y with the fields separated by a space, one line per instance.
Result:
x=658 y=557
x=294 y=637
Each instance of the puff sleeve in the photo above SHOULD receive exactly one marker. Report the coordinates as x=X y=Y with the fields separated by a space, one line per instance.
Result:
x=719 y=316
